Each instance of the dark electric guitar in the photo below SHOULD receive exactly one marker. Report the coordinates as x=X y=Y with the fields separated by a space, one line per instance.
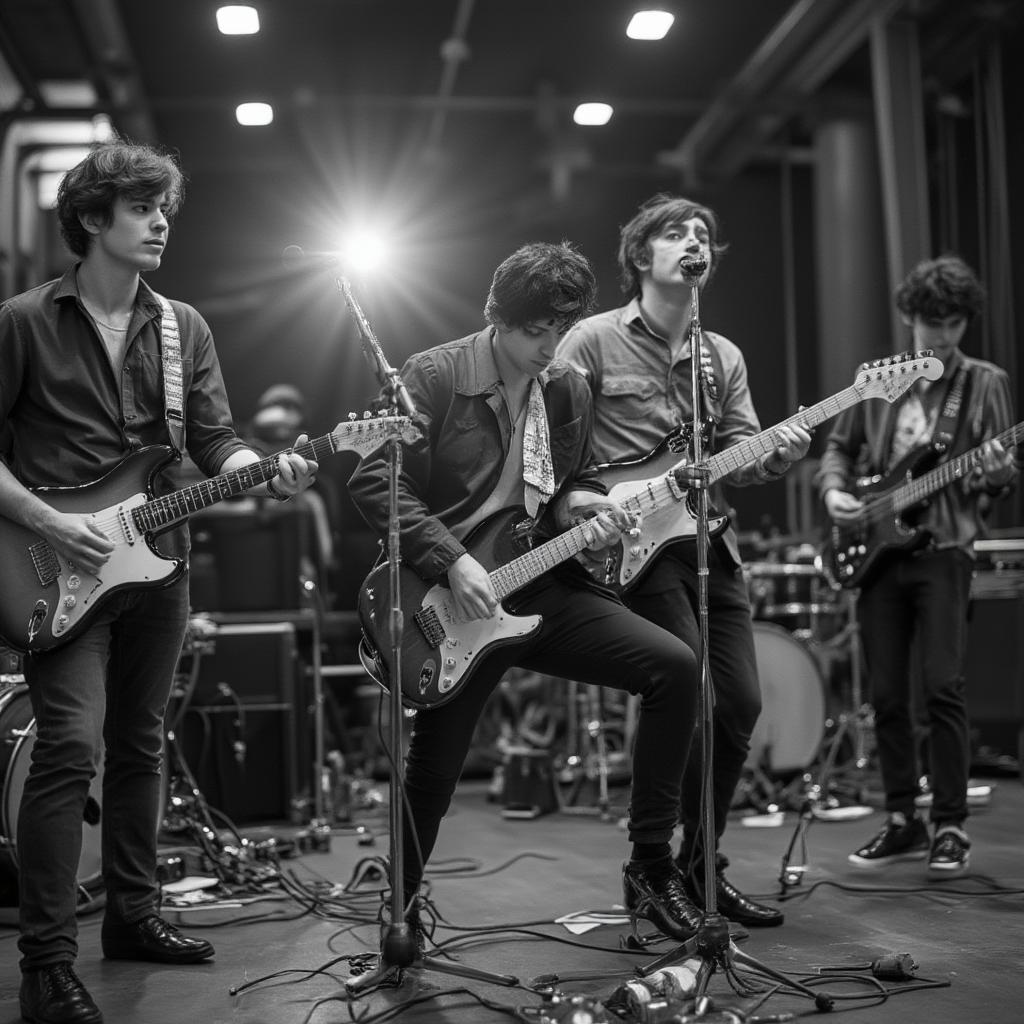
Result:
x=652 y=490
x=47 y=600
x=857 y=549
x=439 y=652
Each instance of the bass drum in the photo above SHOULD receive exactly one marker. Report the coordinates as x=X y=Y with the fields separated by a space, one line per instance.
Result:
x=17 y=738
x=792 y=723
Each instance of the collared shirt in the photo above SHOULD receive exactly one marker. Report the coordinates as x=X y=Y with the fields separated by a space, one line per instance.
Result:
x=69 y=418
x=455 y=466
x=641 y=394
x=860 y=445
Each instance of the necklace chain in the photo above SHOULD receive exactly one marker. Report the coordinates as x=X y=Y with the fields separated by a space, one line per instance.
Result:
x=100 y=323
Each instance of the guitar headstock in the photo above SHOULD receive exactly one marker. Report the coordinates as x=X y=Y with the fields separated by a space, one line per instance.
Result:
x=888 y=378
x=369 y=433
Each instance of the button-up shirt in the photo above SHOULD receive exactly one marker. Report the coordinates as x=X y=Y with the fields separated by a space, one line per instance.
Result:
x=641 y=394
x=66 y=417
x=467 y=432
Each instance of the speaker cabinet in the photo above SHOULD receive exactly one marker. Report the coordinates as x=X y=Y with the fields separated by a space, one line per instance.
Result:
x=252 y=556
x=240 y=733
x=995 y=675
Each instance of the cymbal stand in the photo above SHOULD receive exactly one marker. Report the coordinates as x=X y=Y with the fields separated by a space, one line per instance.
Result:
x=398 y=943
x=712 y=944
x=591 y=758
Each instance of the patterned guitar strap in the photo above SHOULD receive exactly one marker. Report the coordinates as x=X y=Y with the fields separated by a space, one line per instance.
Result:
x=538 y=471
x=174 y=395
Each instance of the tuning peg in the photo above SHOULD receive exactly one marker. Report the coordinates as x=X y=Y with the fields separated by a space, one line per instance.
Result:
x=351 y=416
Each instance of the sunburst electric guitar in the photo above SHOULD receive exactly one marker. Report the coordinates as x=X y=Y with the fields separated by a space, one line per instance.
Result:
x=47 y=600
x=857 y=549
x=652 y=489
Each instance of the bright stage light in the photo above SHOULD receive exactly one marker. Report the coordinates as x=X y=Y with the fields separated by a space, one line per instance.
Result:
x=650 y=25
x=365 y=249
x=592 y=113
x=238 y=20
x=254 y=113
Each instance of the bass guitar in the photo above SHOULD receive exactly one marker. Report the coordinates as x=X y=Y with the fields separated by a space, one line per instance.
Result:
x=440 y=652
x=651 y=488
x=856 y=550
x=47 y=600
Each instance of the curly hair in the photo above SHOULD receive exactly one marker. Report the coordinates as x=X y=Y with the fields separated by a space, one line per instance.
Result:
x=653 y=217
x=542 y=281
x=941 y=288
x=111 y=171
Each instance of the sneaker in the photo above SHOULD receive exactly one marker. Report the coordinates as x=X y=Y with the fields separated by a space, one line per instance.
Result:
x=950 y=853
x=898 y=840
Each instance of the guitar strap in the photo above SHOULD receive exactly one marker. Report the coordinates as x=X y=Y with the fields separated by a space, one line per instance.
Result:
x=170 y=352
x=945 y=426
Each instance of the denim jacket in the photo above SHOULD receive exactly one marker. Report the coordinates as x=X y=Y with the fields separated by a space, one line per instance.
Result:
x=454 y=466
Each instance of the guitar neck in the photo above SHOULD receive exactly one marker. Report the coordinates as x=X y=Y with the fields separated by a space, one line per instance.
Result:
x=171 y=508
x=508 y=578
x=915 y=491
x=752 y=448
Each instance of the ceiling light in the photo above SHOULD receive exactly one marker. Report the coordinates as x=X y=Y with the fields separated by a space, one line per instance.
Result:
x=254 y=113
x=650 y=25
x=592 y=113
x=238 y=20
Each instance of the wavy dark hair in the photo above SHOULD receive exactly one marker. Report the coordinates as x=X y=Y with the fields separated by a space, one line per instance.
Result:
x=110 y=171
x=938 y=289
x=653 y=217
x=542 y=281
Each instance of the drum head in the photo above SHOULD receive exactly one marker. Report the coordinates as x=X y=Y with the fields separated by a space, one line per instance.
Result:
x=18 y=735
x=792 y=722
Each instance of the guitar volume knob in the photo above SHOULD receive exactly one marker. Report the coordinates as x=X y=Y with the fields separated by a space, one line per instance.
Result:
x=70 y=601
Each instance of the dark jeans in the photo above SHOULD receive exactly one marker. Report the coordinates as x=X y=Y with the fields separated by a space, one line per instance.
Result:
x=107 y=689
x=667 y=595
x=589 y=636
x=920 y=600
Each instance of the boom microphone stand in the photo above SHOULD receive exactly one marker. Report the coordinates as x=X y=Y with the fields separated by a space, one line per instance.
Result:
x=398 y=944
x=712 y=944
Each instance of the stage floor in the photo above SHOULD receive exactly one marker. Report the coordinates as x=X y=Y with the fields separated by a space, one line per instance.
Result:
x=492 y=874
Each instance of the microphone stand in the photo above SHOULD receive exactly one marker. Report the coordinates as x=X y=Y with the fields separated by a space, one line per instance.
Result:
x=398 y=943
x=712 y=944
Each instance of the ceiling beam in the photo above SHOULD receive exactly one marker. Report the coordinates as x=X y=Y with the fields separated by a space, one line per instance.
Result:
x=811 y=41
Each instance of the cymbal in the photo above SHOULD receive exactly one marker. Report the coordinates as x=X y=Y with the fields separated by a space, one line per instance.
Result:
x=771 y=569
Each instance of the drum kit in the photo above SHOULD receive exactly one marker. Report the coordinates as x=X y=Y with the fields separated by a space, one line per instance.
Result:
x=807 y=645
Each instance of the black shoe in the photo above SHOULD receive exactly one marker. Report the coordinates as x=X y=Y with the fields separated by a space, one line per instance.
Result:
x=654 y=890
x=898 y=840
x=153 y=939
x=734 y=905
x=414 y=920
x=54 y=995
x=950 y=853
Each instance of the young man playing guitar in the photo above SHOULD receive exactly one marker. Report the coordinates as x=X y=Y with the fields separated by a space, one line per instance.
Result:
x=83 y=361
x=637 y=363
x=921 y=595
x=505 y=426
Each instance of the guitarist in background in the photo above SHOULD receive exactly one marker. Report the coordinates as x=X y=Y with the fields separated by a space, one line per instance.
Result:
x=923 y=595
x=504 y=426
x=81 y=386
x=637 y=363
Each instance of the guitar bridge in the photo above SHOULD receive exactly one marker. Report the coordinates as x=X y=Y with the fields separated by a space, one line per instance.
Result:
x=44 y=561
x=430 y=626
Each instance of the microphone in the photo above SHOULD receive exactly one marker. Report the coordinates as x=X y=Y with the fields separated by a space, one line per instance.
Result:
x=295 y=255
x=693 y=266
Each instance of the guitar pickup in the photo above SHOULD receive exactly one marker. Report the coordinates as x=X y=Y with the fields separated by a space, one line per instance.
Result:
x=45 y=562
x=430 y=626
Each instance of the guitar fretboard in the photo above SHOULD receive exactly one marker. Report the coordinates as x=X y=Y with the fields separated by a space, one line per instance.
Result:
x=161 y=512
x=508 y=578
x=915 y=491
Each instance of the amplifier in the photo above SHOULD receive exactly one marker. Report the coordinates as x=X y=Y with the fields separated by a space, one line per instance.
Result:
x=241 y=732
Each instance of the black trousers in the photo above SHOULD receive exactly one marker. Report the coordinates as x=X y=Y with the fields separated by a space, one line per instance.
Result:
x=667 y=595
x=921 y=599
x=587 y=635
